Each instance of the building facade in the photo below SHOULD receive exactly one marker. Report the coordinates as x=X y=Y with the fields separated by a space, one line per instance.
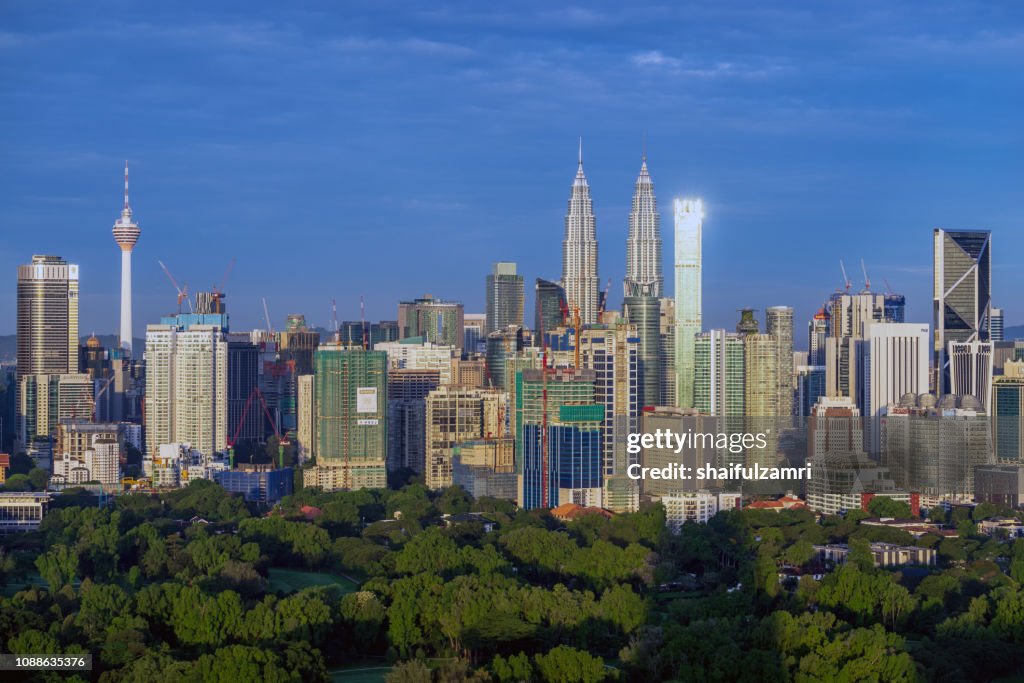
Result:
x=505 y=296
x=689 y=226
x=579 y=250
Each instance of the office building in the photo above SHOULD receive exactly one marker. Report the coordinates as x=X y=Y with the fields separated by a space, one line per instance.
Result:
x=1008 y=414
x=245 y=413
x=667 y=350
x=562 y=463
x=258 y=483
x=689 y=225
x=970 y=369
x=643 y=310
x=354 y=332
x=810 y=387
x=550 y=305
x=962 y=270
x=21 y=512
x=437 y=321
x=501 y=345
x=693 y=455
x=351 y=419
x=999 y=485
x=579 y=250
x=761 y=394
x=486 y=468
x=455 y=415
x=407 y=417
x=643 y=243
x=187 y=388
x=996 y=326
x=505 y=296
x=47 y=317
x=473 y=335
x=126 y=234
x=895 y=307
x=848 y=314
x=894 y=362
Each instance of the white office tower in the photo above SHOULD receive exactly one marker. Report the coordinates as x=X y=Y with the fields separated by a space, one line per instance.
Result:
x=186 y=387
x=970 y=371
x=643 y=245
x=689 y=221
x=962 y=294
x=126 y=234
x=894 y=362
x=579 y=250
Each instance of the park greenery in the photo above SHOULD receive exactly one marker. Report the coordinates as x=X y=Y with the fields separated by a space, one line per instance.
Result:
x=196 y=585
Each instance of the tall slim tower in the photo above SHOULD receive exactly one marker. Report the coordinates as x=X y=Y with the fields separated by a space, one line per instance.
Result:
x=126 y=234
x=689 y=215
x=643 y=245
x=579 y=250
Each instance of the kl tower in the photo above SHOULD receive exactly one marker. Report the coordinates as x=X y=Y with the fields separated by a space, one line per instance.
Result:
x=126 y=234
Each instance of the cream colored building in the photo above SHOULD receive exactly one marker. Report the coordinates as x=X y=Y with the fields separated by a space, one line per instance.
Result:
x=455 y=415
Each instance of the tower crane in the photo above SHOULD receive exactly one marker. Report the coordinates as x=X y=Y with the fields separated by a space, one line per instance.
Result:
x=182 y=291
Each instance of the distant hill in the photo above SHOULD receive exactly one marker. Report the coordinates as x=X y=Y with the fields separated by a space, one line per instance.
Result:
x=9 y=344
x=1012 y=333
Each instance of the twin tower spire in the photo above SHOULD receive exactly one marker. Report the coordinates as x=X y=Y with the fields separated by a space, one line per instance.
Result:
x=579 y=248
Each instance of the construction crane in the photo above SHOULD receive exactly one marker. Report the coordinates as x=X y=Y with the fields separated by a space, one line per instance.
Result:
x=266 y=316
x=281 y=441
x=888 y=287
x=602 y=303
x=846 y=280
x=182 y=291
x=362 y=320
x=867 y=280
x=218 y=290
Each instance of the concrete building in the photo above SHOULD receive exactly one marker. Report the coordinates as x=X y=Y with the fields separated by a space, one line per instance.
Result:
x=1008 y=414
x=473 y=332
x=779 y=326
x=505 y=297
x=187 y=387
x=969 y=366
x=351 y=419
x=306 y=400
x=643 y=310
x=817 y=333
x=667 y=350
x=21 y=512
x=550 y=306
x=437 y=321
x=417 y=354
x=696 y=506
x=996 y=325
x=848 y=315
x=761 y=394
x=44 y=400
x=258 y=484
x=486 y=468
x=719 y=374
x=676 y=421
x=175 y=465
x=689 y=225
x=999 y=484
x=884 y=554
x=407 y=416
x=47 y=326
x=579 y=250
x=962 y=294
x=455 y=415
x=810 y=387
x=894 y=362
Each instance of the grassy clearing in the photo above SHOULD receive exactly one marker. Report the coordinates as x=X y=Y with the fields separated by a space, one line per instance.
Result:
x=291 y=580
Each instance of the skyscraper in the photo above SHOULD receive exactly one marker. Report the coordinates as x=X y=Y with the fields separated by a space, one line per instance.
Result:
x=126 y=234
x=719 y=378
x=962 y=268
x=505 y=295
x=440 y=322
x=579 y=250
x=47 y=317
x=643 y=245
x=894 y=362
x=550 y=306
x=779 y=324
x=455 y=415
x=849 y=314
x=689 y=220
x=996 y=325
x=186 y=388
x=644 y=311
x=817 y=332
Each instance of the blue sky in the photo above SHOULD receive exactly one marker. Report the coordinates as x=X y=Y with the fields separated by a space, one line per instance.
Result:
x=393 y=149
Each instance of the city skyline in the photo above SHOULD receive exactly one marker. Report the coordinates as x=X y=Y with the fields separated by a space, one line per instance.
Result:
x=795 y=172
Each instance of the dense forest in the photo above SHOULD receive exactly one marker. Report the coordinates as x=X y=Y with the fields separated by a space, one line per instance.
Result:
x=182 y=587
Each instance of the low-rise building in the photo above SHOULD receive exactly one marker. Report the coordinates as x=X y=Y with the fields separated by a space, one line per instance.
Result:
x=884 y=554
x=22 y=511
x=1006 y=527
x=258 y=484
x=696 y=506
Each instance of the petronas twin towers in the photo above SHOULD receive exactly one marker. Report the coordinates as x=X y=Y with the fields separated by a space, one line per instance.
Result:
x=579 y=248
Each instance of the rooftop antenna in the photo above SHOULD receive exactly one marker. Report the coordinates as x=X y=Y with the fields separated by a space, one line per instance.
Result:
x=362 y=319
x=126 y=209
x=334 y=320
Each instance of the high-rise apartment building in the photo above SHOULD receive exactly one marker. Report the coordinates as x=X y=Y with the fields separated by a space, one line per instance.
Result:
x=849 y=313
x=779 y=325
x=643 y=244
x=719 y=380
x=579 y=250
x=689 y=222
x=351 y=419
x=306 y=405
x=456 y=415
x=413 y=355
x=187 y=388
x=962 y=270
x=817 y=333
x=667 y=350
x=761 y=393
x=505 y=296
x=126 y=234
x=473 y=334
x=437 y=321
x=407 y=409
